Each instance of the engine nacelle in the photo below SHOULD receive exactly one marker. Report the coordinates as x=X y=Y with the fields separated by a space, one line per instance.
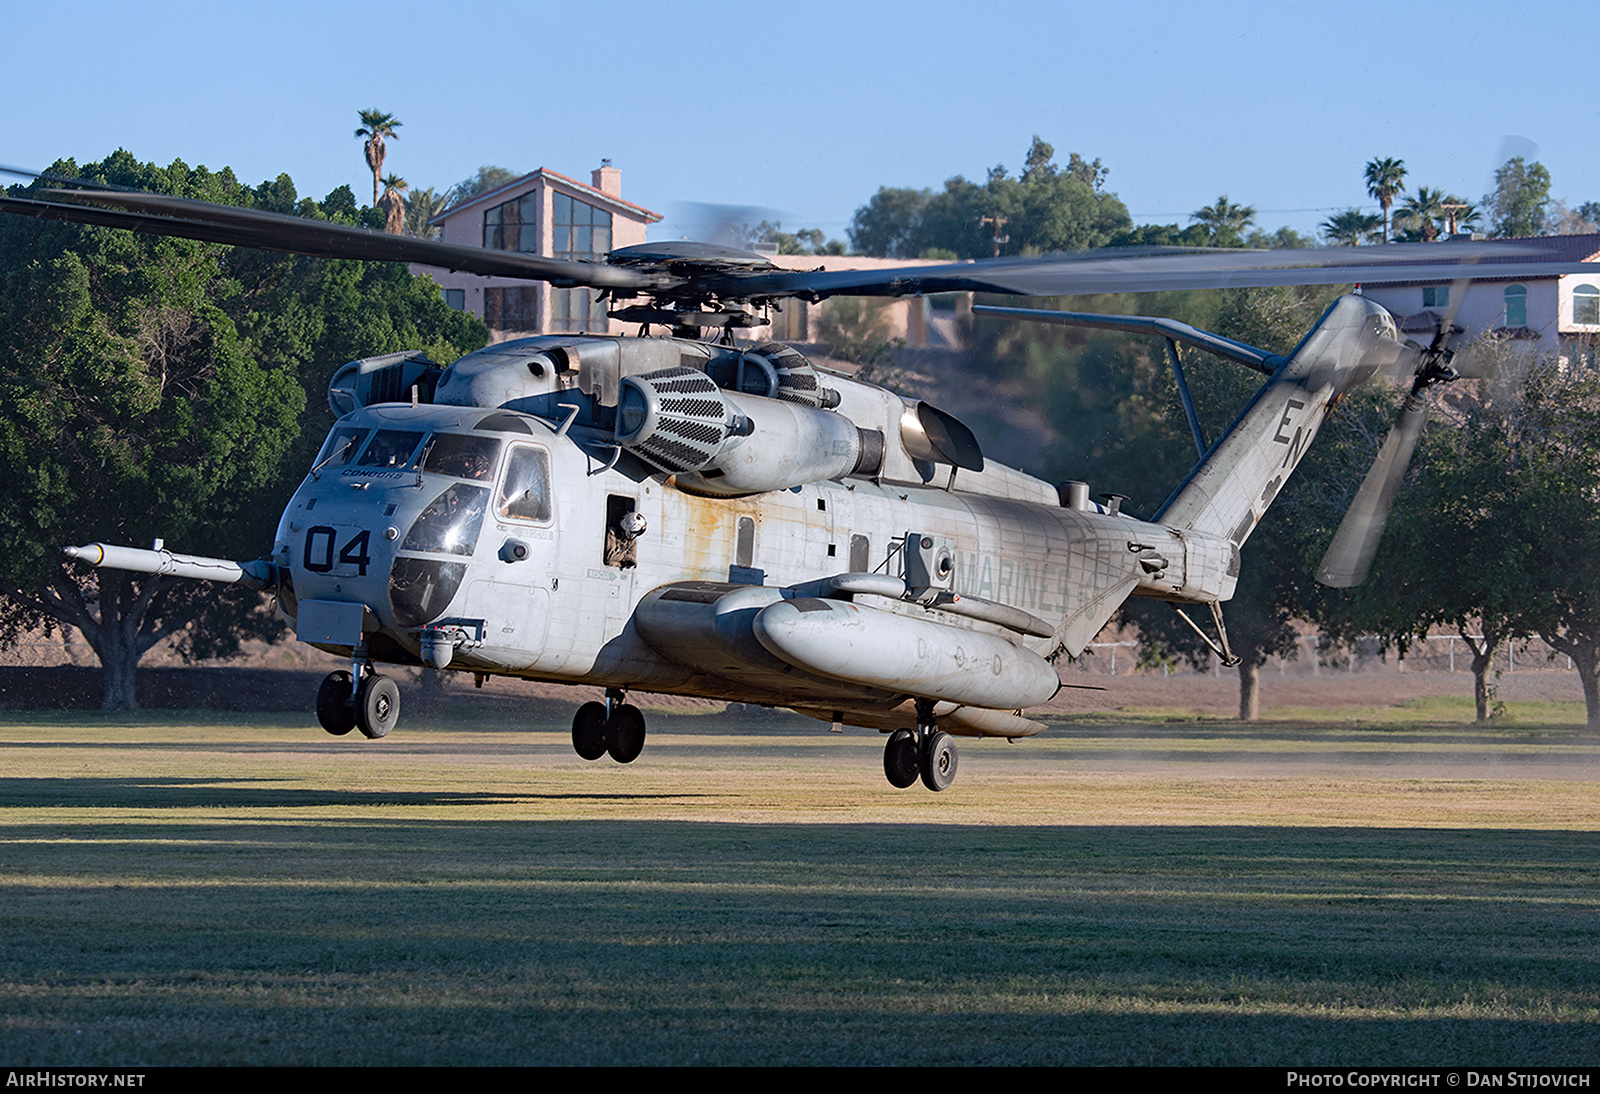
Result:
x=727 y=443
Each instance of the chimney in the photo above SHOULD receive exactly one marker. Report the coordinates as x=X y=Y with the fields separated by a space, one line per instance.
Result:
x=607 y=179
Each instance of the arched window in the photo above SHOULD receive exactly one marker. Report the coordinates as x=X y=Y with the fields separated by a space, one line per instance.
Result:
x=1586 y=305
x=1516 y=306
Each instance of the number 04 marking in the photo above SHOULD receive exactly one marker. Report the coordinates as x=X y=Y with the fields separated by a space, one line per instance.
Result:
x=319 y=550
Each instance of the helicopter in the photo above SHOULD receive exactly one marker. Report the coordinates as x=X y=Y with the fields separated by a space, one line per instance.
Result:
x=686 y=514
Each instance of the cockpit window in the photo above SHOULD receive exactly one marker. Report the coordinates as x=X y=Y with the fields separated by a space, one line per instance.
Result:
x=341 y=445
x=525 y=493
x=450 y=523
x=461 y=457
x=390 y=448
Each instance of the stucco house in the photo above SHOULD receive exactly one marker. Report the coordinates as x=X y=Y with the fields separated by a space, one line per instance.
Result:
x=1558 y=315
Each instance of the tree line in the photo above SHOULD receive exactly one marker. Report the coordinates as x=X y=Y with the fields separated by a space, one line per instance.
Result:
x=153 y=387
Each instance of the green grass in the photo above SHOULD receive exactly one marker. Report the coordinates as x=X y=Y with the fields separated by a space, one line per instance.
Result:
x=192 y=889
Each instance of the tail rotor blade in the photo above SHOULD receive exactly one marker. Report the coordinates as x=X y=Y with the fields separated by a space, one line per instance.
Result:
x=1349 y=556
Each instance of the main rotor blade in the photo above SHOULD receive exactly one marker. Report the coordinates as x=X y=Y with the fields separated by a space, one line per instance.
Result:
x=1349 y=556
x=1133 y=270
x=163 y=214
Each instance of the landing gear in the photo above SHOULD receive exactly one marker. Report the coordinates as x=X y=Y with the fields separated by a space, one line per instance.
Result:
x=613 y=726
x=625 y=734
x=938 y=760
x=372 y=705
x=334 y=709
x=900 y=759
x=589 y=731
x=377 y=705
x=929 y=752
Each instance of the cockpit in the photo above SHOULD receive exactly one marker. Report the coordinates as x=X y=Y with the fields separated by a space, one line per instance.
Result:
x=428 y=490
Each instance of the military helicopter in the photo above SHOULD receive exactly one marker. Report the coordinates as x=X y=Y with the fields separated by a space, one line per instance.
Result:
x=688 y=515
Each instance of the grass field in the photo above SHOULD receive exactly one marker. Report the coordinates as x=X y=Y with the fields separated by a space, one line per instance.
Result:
x=188 y=889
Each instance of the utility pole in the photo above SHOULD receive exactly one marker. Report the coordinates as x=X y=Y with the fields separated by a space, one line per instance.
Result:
x=1450 y=216
x=998 y=223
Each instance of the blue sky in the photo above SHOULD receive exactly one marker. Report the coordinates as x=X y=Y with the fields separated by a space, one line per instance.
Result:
x=807 y=109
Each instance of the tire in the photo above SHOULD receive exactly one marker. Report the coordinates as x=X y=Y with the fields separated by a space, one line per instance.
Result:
x=939 y=761
x=589 y=731
x=378 y=706
x=625 y=734
x=334 y=709
x=900 y=759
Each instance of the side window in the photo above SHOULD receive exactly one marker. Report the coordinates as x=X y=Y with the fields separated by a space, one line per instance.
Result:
x=340 y=447
x=525 y=492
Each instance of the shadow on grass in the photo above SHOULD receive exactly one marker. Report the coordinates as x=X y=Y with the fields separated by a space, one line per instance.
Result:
x=498 y=941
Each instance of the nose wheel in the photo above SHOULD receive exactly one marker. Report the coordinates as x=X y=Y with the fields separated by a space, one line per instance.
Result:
x=613 y=726
x=928 y=751
x=372 y=705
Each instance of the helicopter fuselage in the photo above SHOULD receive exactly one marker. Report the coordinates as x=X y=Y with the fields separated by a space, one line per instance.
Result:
x=497 y=536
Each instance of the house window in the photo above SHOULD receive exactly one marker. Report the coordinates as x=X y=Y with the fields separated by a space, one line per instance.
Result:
x=581 y=230
x=582 y=233
x=455 y=299
x=1516 y=306
x=513 y=226
x=511 y=309
x=1586 y=305
x=1436 y=296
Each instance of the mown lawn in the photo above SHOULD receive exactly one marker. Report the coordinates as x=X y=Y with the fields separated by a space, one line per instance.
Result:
x=184 y=889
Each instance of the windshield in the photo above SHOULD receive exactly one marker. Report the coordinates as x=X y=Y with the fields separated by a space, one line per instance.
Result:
x=462 y=457
x=450 y=523
x=390 y=448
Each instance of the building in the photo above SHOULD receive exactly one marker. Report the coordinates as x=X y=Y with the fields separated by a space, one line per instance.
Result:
x=547 y=214
x=1557 y=315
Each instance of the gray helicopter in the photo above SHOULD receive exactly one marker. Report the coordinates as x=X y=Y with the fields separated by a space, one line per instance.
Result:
x=693 y=516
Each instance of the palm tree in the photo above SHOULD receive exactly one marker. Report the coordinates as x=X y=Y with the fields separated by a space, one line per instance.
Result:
x=1421 y=213
x=1224 y=220
x=1351 y=228
x=1385 y=179
x=377 y=127
x=421 y=207
x=393 y=204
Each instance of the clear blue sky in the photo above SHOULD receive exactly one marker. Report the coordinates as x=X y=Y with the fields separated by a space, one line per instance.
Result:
x=806 y=109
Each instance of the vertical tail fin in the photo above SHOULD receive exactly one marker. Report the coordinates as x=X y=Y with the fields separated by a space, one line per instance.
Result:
x=1229 y=490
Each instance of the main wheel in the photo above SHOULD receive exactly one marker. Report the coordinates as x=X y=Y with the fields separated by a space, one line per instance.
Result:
x=625 y=734
x=378 y=705
x=900 y=759
x=589 y=731
x=938 y=761
x=334 y=709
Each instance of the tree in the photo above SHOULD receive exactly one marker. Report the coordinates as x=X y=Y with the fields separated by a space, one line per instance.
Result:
x=421 y=207
x=488 y=177
x=1556 y=438
x=131 y=407
x=890 y=225
x=154 y=387
x=1225 y=222
x=1385 y=180
x=377 y=127
x=1520 y=198
x=1419 y=216
x=1350 y=228
x=1046 y=209
x=393 y=204
x=806 y=241
x=1461 y=500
